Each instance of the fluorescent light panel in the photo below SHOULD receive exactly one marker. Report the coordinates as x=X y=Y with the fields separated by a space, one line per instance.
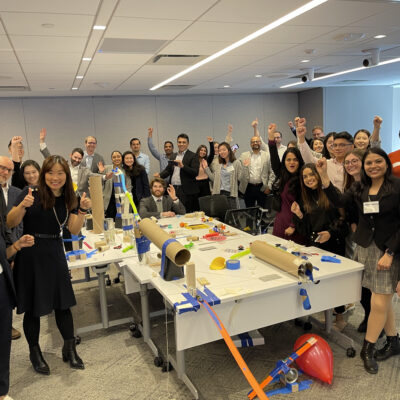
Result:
x=288 y=17
x=347 y=71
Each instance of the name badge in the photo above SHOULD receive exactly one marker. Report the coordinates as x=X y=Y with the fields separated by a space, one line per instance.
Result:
x=371 y=207
x=230 y=168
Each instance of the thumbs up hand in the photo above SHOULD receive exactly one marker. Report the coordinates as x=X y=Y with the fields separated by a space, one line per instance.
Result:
x=86 y=203
x=28 y=199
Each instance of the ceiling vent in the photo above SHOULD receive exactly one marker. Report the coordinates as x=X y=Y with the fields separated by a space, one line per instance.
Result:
x=175 y=59
x=131 y=46
x=351 y=81
x=14 y=89
x=177 y=87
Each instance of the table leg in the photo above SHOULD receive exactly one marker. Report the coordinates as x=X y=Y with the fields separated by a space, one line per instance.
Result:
x=101 y=271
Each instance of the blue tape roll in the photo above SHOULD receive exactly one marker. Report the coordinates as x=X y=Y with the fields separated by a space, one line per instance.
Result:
x=127 y=227
x=232 y=264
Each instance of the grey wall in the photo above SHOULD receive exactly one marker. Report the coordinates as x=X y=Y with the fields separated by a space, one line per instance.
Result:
x=311 y=106
x=353 y=108
x=115 y=120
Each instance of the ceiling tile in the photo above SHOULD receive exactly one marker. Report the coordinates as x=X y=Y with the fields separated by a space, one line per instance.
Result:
x=29 y=57
x=141 y=28
x=7 y=57
x=49 y=44
x=171 y=9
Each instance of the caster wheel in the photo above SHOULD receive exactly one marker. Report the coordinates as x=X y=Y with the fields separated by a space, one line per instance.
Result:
x=108 y=282
x=137 y=334
x=116 y=280
x=307 y=326
x=298 y=322
x=167 y=367
x=158 y=362
x=77 y=340
x=351 y=352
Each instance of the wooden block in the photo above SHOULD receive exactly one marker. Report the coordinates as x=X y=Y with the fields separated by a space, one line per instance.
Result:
x=99 y=244
x=104 y=248
x=190 y=275
x=71 y=258
x=203 y=281
x=83 y=256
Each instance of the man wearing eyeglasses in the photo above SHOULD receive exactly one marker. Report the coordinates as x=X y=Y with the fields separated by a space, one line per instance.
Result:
x=342 y=143
x=90 y=158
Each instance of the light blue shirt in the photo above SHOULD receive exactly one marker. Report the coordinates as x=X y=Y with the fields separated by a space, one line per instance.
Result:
x=160 y=157
x=88 y=160
x=226 y=178
x=144 y=160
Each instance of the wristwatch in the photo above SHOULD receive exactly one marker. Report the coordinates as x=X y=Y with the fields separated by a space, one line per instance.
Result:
x=389 y=252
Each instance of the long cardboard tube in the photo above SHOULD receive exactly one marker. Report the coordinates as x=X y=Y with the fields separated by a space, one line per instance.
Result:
x=96 y=195
x=277 y=257
x=174 y=251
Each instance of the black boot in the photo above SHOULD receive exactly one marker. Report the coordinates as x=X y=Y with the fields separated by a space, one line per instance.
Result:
x=38 y=362
x=363 y=326
x=69 y=354
x=368 y=356
x=391 y=348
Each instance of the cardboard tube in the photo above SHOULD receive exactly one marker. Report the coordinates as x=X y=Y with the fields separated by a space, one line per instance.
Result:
x=96 y=195
x=174 y=251
x=277 y=257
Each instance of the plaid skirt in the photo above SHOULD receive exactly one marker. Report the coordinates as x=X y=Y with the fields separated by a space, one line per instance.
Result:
x=382 y=281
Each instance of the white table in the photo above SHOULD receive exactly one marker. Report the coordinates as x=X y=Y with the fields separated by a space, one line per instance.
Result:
x=255 y=296
x=100 y=263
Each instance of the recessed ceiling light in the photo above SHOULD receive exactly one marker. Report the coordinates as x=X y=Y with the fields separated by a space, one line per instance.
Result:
x=305 y=61
x=87 y=59
x=48 y=26
x=267 y=28
x=379 y=36
x=79 y=77
x=258 y=76
x=74 y=88
x=227 y=86
x=99 y=27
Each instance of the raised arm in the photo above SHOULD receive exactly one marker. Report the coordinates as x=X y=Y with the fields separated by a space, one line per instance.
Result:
x=375 y=139
x=210 y=157
x=228 y=137
x=42 y=143
x=150 y=144
x=273 y=151
x=302 y=143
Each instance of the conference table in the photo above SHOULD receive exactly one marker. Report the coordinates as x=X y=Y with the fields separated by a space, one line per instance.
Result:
x=254 y=296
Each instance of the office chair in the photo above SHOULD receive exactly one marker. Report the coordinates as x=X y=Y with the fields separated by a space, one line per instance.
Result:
x=246 y=219
x=214 y=206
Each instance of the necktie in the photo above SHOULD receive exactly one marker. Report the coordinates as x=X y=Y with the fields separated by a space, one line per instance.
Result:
x=159 y=205
x=3 y=212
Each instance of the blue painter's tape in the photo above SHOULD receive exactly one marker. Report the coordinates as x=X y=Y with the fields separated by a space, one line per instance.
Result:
x=163 y=255
x=127 y=227
x=330 y=259
x=117 y=184
x=306 y=300
x=246 y=340
x=143 y=245
x=232 y=264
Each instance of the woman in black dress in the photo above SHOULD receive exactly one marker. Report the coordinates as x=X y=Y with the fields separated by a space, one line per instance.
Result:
x=41 y=272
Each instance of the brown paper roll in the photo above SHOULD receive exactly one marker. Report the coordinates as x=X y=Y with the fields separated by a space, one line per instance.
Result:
x=96 y=195
x=174 y=251
x=277 y=257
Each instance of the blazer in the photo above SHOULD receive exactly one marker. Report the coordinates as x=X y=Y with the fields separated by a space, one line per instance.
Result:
x=13 y=193
x=83 y=174
x=108 y=186
x=215 y=176
x=148 y=207
x=382 y=227
x=188 y=172
x=4 y=242
x=267 y=175
x=96 y=159
x=141 y=186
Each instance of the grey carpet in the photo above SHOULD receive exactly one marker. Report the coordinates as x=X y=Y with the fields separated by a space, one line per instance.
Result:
x=120 y=367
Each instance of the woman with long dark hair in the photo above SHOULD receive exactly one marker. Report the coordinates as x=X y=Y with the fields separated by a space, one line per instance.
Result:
x=376 y=198
x=41 y=272
x=286 y=188
x=29 y=173
x=202 y=178
x=136 y=173
x=225 y=173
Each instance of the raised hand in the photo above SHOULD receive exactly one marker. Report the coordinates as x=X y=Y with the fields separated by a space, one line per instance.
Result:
x=42 y=135
x=271 y=131
x=301 y=122
x=296 y=122
x=290 y=123
x=85 y=203
x=28 y=199
x=100 y=166
x=171 y=192
x=150 y=132
x=204 y=163
x=322 y=166
x=210 y=139
x=377 y=121
x=295 y=209
x=26 y=241
x=301 y=133
x=247 y=162
x=230 y=129
x=254 y=124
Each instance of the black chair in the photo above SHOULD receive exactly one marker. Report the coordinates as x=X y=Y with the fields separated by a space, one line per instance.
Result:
x=246 y=219
x=214 y=206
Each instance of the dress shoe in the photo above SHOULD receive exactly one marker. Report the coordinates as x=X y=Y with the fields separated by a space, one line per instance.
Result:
x=368 y=356
x=15 y=334
x=391 y=348
x=39 y=364
x=69 y=354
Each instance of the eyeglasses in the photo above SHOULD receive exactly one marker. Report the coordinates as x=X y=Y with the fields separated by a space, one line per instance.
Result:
x=3 y=168
x=355 y=161
x=91 y=143
x=340 y=145
x=255 y=141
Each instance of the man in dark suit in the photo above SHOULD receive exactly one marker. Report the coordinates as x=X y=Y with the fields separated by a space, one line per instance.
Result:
x=183 y=169
x=160 y=206
x=7 y=289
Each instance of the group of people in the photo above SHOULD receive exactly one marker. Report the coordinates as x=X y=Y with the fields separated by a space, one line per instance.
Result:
x=336 y=192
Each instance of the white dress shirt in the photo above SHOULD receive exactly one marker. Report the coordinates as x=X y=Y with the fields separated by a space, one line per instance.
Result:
x=255 y=168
